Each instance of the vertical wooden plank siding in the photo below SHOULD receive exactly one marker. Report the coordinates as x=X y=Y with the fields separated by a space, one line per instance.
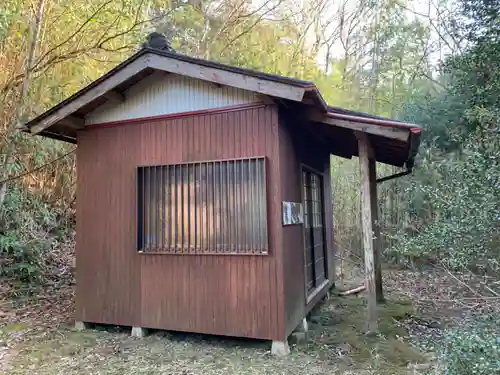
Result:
x=296 y=149
x=108 y=275
x=216 y=294
x=293 y=235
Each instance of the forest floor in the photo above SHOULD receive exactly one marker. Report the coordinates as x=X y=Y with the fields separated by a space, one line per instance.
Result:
x=36 y=337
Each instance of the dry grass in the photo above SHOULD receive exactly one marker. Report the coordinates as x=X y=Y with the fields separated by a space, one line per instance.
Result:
x=36 y=335
x=64 y=351
x=337 y=345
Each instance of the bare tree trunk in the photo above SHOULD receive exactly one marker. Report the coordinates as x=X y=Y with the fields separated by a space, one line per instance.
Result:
x=374 y=72
x=344 y=44
x=10 y=139
x=327 y=59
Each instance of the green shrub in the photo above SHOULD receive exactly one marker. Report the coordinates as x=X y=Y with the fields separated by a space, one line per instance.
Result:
x=23 y=260
x=27 y=236
x=474 y=349
x=459 y=201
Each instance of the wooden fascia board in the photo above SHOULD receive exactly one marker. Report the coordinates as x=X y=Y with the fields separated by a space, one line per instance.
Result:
x=383 y=131
x=99 y=90
x=223 y=77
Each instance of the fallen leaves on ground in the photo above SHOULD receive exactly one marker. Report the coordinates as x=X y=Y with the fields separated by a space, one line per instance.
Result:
x=36 y=337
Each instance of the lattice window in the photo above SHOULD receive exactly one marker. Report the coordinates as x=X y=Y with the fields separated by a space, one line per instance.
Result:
x=216 y=207
x=314 y=242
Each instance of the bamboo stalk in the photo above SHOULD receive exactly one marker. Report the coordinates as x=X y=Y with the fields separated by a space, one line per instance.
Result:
x=349 y=292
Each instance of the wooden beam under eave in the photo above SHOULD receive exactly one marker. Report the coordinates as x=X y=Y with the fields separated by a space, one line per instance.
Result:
x=383 y=131
x=365 y=154
x=73 y=122
x=86 y=97
x=115 y=96
x=266 y=99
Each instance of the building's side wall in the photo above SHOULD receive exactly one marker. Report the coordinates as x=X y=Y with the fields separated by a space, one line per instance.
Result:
x=227 y=295
x=165 y=93
x=297 y=148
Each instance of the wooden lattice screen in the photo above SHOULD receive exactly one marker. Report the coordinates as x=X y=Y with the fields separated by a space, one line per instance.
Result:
x=215 y=207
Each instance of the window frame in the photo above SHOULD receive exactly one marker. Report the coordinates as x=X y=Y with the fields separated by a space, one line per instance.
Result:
x=312 y=293
x=140 y=213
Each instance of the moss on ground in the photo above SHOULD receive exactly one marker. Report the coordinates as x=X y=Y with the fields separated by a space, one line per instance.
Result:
x=337 y=345
x=14 y=327
x=339 y=330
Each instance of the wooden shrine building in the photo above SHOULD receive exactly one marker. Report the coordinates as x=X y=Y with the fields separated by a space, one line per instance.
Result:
x=204 y=194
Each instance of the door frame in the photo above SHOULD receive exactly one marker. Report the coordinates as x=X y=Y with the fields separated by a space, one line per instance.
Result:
x=319 y=288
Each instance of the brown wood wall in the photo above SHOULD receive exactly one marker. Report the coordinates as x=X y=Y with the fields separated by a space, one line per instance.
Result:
x=228 y=295
x=296 y=147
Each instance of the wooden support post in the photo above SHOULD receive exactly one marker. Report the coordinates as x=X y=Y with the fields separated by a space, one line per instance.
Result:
x=365 y=154
x=376 y=229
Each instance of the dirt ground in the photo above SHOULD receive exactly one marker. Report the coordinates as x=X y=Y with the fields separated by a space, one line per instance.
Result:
x=36 y=337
